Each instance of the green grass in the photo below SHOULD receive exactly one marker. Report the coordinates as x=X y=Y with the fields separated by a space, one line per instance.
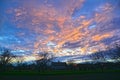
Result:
x=61 y=74
x=58 y=72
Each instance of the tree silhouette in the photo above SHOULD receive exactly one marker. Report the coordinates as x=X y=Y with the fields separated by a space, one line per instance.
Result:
x=6 y=56
x=42 y=63
x=98 y=56
x=117 y=55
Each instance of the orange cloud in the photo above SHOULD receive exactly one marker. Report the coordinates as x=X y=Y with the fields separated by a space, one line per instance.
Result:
x=101 y=37
x=50 y=17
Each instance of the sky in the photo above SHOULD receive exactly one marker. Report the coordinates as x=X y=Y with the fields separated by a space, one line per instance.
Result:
x=61 y=27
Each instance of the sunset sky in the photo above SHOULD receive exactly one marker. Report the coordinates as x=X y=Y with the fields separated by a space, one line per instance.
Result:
x=62 y=27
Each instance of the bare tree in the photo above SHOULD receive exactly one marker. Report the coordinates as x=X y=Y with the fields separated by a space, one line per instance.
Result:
x=6 y=56
x=98 y=56
x=117 y=52
x=44 y=61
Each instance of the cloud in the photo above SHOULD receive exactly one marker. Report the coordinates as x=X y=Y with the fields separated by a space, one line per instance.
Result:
x=52 y=21
x=101 y=37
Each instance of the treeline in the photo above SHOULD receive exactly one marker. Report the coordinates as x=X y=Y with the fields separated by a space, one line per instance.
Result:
x=9 y=61
x=45 y=63
x=109 y=53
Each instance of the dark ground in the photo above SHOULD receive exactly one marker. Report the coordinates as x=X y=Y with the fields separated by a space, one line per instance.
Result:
x=73 y=76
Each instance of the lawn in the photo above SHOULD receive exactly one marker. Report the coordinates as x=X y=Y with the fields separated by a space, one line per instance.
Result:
x=62 y=75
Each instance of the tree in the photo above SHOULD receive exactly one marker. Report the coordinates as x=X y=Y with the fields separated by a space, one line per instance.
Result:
x=43 y=63
x=117 y=52
x=98 y=56
x=6 y=56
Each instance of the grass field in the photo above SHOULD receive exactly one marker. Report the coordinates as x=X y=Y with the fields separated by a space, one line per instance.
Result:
x=61 y=75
